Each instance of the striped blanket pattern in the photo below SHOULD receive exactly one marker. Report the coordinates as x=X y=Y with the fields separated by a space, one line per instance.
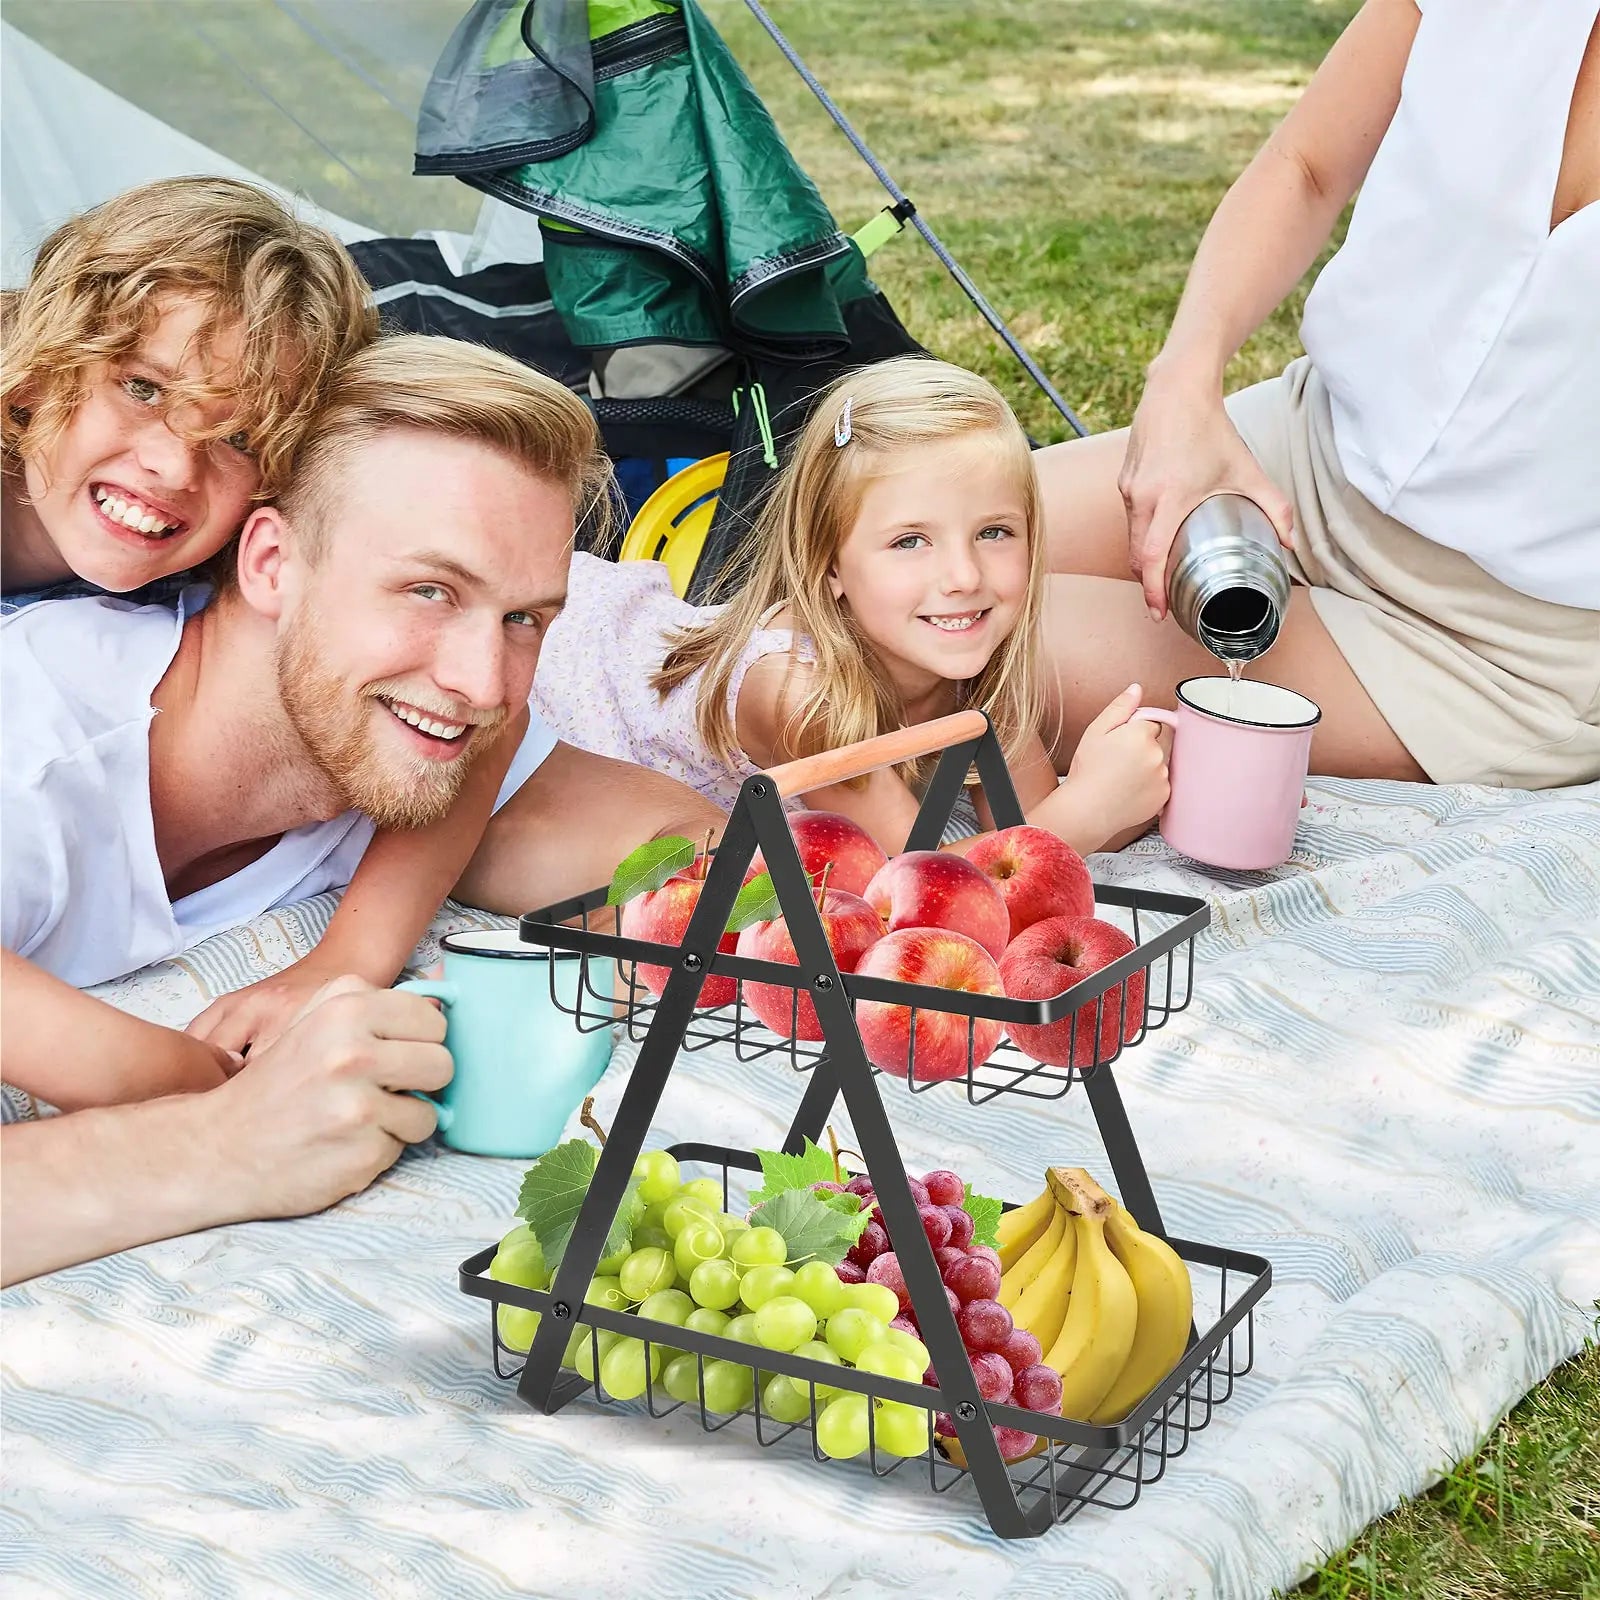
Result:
x=1388 y=1083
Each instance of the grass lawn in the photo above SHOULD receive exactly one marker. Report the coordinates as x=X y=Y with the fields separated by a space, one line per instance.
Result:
x=1069 y=152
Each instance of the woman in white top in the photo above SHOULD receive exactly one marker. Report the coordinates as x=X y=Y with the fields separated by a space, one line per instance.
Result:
x=1432 y=464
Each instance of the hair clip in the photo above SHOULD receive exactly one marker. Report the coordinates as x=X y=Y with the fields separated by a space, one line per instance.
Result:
x=841 y=428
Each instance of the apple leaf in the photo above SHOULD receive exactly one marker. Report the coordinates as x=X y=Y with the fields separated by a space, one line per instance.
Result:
x=553 y=1191
x=649 y=867
x=756 y=902
x=780 y=1172
x=985 y=1214
x=812 y=1229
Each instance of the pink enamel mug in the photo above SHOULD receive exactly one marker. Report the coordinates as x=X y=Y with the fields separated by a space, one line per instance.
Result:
x=1240 y=752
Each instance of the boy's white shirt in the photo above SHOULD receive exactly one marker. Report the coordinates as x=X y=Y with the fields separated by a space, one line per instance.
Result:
x=81 y=887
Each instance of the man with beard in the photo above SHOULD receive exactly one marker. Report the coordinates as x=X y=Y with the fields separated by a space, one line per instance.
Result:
x=168 y=776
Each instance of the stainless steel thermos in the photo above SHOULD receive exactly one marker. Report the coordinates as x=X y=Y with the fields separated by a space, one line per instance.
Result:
x=1230 y=585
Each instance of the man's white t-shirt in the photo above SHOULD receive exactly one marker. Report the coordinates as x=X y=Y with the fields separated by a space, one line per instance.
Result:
x=82 y=891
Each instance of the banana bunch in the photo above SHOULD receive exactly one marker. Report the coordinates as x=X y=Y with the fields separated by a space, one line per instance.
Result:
x=1109 y=1304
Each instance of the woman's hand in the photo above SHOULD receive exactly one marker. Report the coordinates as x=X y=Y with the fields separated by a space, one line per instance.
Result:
x=1183 y=448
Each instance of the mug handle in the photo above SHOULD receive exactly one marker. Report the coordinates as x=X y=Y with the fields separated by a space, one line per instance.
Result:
x=1155 y=714
x=446 y=994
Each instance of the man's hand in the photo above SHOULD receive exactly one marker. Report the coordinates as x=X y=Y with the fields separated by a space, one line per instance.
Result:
x=319 y=1113
x=255 y=1016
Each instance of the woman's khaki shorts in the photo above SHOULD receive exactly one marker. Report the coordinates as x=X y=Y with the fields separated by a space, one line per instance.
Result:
x=1481 y=684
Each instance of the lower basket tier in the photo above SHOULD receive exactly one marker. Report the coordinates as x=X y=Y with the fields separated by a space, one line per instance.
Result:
x=1074 y=1465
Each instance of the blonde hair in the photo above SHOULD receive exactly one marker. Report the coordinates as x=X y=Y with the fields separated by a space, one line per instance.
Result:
x=446 y=386
x=895 y=406
x=300 y=306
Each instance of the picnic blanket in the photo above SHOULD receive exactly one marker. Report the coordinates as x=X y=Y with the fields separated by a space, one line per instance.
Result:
x=1388 y=1083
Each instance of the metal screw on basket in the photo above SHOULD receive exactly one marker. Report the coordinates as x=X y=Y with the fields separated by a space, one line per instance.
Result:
x=692 y=962
x=562 y=1310
x=758 y=789
x=822 y=981
x=966 y=1411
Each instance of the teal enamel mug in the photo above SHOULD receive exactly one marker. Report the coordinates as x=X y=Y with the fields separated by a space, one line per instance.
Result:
x=527 y=1045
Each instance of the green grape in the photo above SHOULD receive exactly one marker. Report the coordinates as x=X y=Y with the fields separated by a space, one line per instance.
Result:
x=784 y=1401
x=519 y=1260
x=731 y=1223
x=842 y=1426
x=657 y=1172
x=684 y=1212
x=707 y=1190
x=609 y=1266
x=516 y=1326
x=700 y=1242
x=816 y=1350
x=652 y=1217
x=888 y=1362
x=913 y=1347
x=668 y=1305
x=818 y=1285
x=760 y=1247
x=647 y=1272
x=584 y=1359
x=761 y=1284
x=625 y=1373
x=681 y=1378
x=742 y=1328
x=714 y=1285
x=729 y=1386
x=850 y=1332
x=606 y=1293
x=707 y=1319
x=786 y=1322
x=876 y=1299
x=653 y=1238
x=900 y=1429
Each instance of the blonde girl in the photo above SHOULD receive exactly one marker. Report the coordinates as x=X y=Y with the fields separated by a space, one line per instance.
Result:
x=894 y=575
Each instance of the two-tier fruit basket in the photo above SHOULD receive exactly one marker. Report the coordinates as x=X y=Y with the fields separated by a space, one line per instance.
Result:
x=1080 y=1464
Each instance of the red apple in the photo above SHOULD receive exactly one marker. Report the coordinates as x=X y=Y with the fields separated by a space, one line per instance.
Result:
x=934 y=889
x=826 y=838
x=941 y=959
x=1050 y=957
x=1038 y=875
x=850 y=926
x=662 y=916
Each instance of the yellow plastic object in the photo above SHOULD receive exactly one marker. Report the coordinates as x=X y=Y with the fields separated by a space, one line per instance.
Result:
x=672 y=524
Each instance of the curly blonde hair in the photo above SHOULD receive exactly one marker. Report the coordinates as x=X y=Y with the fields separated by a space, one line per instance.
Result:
x=289 y=287
x=895 y=406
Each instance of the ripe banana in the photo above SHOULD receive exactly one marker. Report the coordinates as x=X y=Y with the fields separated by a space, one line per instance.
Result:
x=1166 y=1305
x=1041 y=1308
x=1033 y=1259
x=1102 y=1314
x=1019 y=1228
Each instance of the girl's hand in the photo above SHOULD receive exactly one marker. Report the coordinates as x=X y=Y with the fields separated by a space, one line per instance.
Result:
x=1182 y=449
x=1118 y=776
x=255 y=1015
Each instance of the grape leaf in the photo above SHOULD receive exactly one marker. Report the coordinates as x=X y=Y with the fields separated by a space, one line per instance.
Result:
x=812 y=1229
x=757 y=901
x=985 y=1214
x=649 y=867
x=780 y=1172
x=552 y=1194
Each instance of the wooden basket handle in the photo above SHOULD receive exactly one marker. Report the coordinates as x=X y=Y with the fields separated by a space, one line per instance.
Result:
x=867 y=755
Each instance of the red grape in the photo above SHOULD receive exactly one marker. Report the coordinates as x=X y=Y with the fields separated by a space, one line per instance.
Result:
x=906 y=1322
x=936 y=1224
x=919 y=1190
x=885 y=1269
x=1038 y=1388
x=955 y=1301
x=1021 y=1350
x=944 y=1424
x=960 y=1226
x=872 y=1243
x=851 y=1271
x=1014 y=1443
x=861 y=1185
x=985 y=1326
x=945 y=1188
x=945 y=1254
x=993 y=1375
x=830 y=1186
x=974 y=1279
x=988 y=1252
